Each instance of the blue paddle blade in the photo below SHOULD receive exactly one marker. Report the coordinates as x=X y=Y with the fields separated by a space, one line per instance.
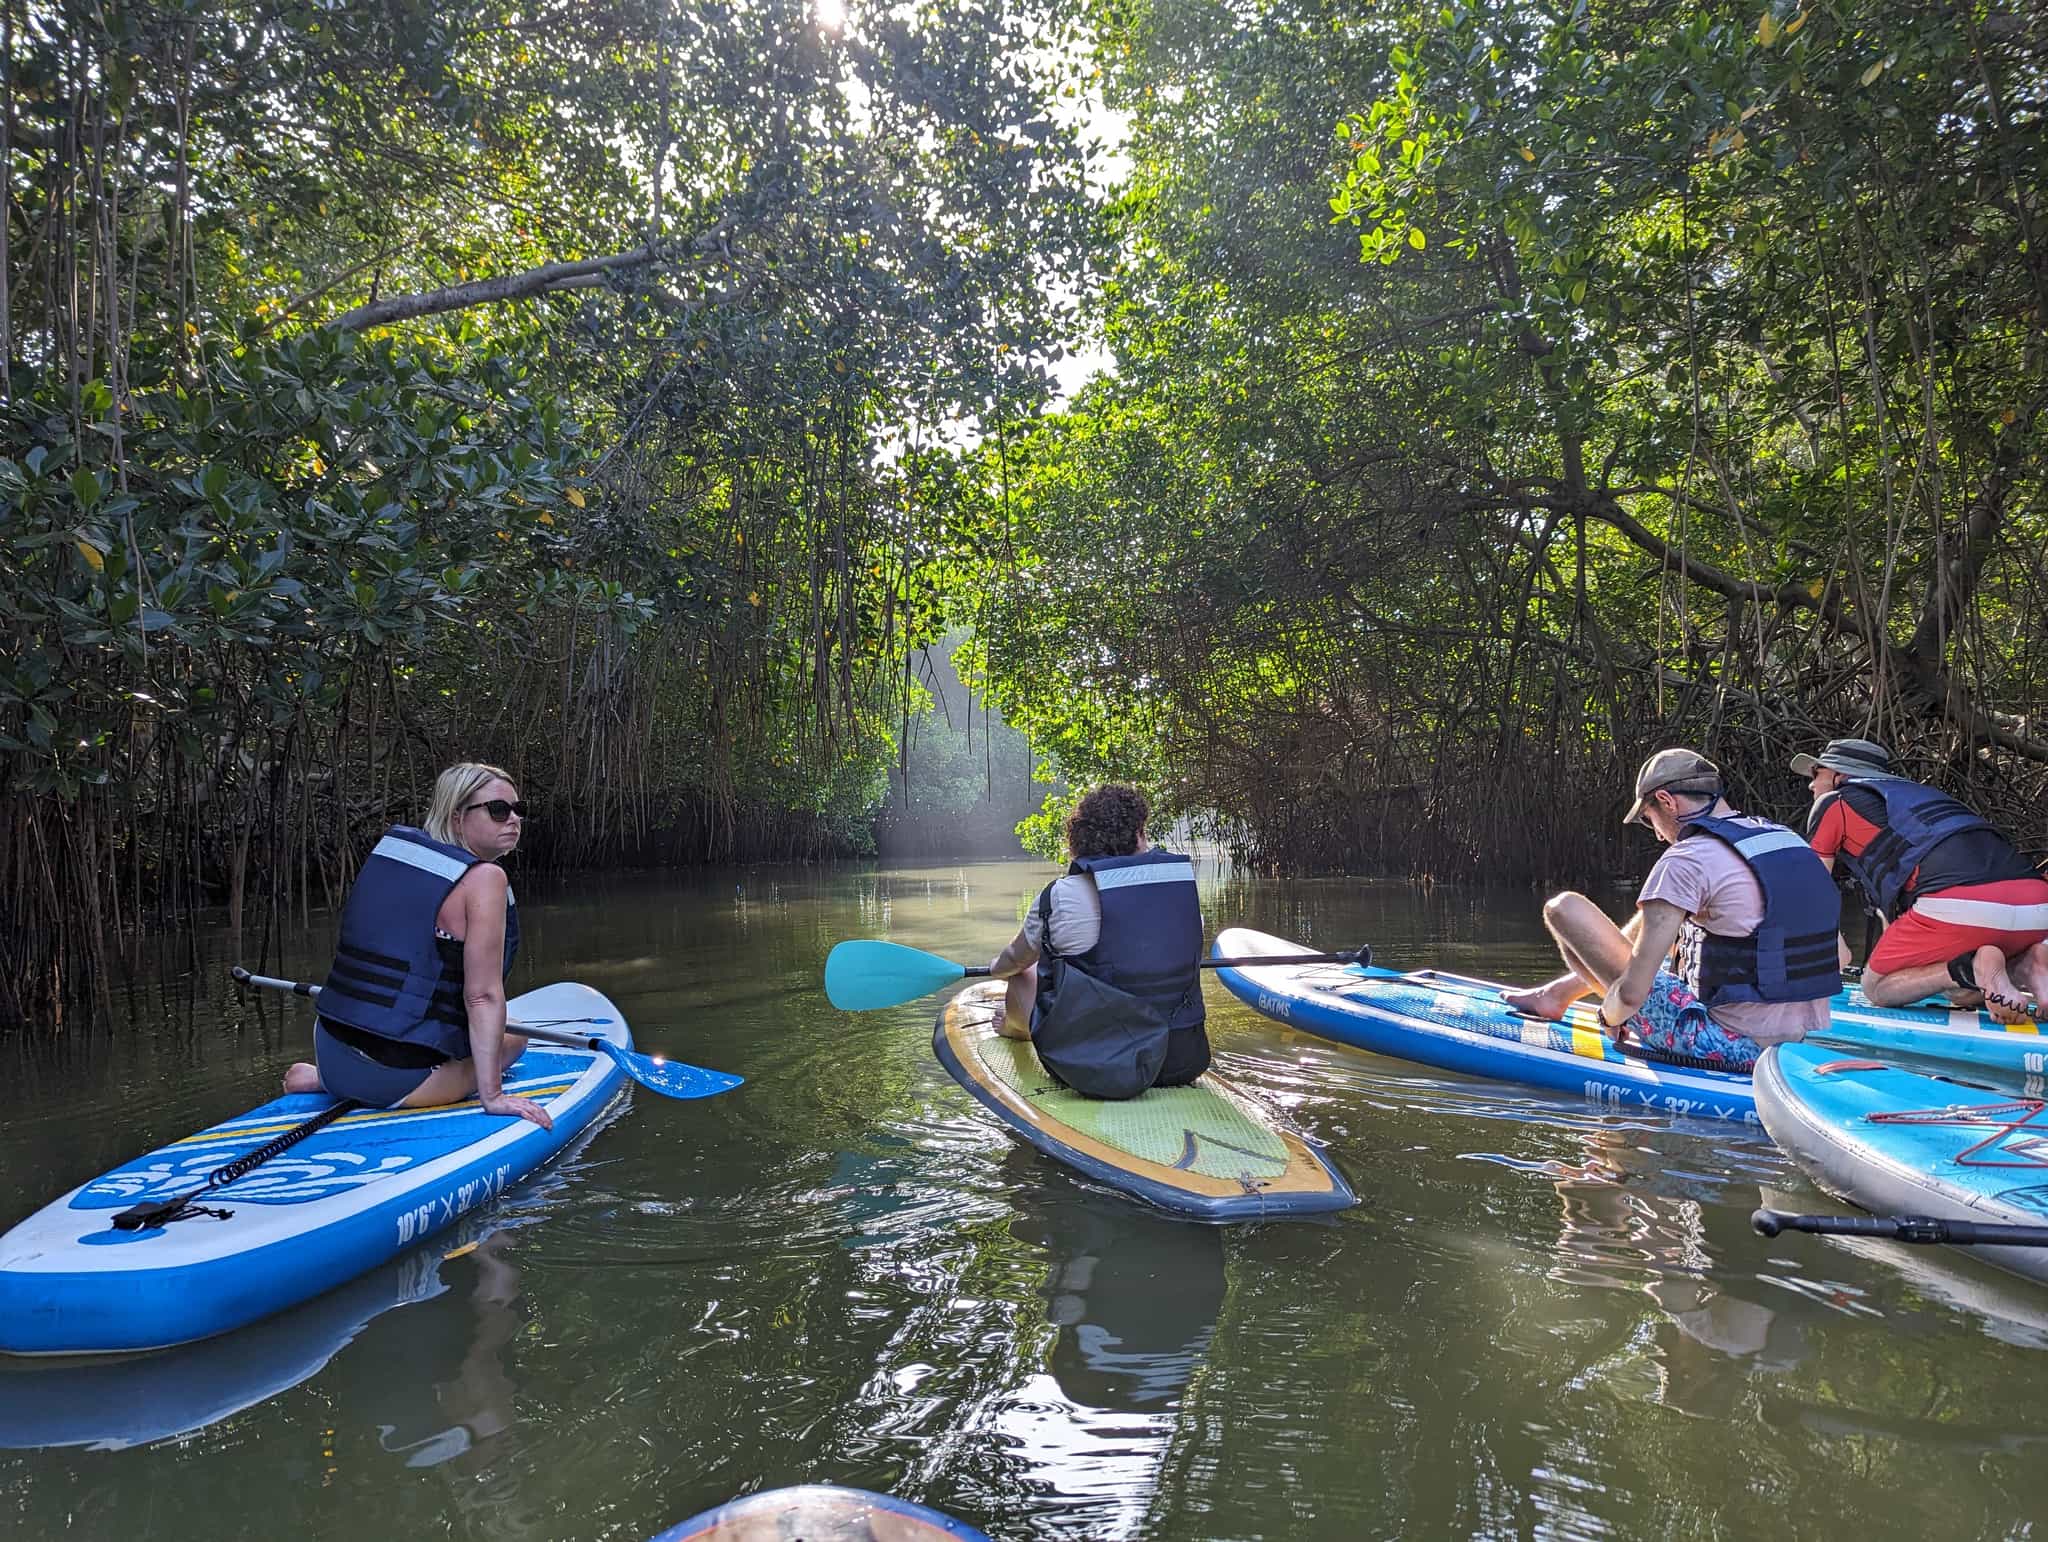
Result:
x=862 y=976
x=670 y=1078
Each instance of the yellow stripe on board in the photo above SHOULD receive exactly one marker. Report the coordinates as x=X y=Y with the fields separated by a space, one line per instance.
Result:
x=1589 y=1042
x=365 y=1116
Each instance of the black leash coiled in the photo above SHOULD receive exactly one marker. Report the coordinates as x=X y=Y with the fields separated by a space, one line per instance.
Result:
x=160 y=1212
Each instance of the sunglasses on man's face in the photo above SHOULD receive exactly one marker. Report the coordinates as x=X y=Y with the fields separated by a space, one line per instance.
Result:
x=498 y=809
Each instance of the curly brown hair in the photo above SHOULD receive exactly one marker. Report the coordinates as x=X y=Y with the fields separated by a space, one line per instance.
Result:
x=1107 y=822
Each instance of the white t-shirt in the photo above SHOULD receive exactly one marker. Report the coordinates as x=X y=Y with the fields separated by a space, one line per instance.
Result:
x=1076 y=915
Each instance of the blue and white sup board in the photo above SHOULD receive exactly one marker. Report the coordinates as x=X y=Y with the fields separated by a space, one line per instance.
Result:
x=1462 y=1024
x=113 y=1402
x=353 y=1194
x=1964 y=1039
x=1900 y=1143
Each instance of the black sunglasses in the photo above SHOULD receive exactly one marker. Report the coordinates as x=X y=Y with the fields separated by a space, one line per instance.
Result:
x=498 y=809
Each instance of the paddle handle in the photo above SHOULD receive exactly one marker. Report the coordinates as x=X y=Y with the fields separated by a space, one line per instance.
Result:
x=969 y=971
x=1925 y=1229
x=272 y=983
x=512 y=1024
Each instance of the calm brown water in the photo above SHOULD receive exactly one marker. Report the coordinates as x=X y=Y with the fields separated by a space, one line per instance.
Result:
x=1541 y=1320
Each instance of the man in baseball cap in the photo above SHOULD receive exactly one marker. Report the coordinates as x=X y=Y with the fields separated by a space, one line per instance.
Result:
x=1966 y=913
x=1750 y=909
x=1672 y=771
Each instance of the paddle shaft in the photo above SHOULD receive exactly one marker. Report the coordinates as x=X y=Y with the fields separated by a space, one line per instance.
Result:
x=1927 y=1229
x=512 y=1025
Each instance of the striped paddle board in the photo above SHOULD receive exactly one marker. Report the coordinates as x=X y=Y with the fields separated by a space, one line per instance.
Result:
x=1462 y=1024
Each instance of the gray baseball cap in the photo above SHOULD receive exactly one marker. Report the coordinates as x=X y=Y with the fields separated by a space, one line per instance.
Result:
x=1851 y=757
x=1680 y=770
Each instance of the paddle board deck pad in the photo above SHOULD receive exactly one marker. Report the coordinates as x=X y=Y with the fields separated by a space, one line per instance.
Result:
x=818 y=1513
x=357 y=1192
x=1900 y=1143
x=1206 y=1151
x=1462 y=1024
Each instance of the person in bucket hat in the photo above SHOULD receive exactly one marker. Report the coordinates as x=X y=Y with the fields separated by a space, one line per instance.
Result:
x=1739 y=908
x=1965 y=913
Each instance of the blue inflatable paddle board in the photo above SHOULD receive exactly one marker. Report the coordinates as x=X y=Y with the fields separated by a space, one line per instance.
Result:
x=357 y=1192
x=1462 y=1024
x=1900 y=1143
x=821 y=1513
x=1965 y=1039
x=113 y=1402
x=1205 y=1151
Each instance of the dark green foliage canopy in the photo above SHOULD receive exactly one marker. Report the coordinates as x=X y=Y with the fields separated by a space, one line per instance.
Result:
x=1663 y=377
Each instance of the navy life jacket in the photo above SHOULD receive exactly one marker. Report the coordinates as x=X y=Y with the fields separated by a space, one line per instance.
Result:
x=392 y=976
x=1917 y=818
x=1103 y=1020
x=1791 y=955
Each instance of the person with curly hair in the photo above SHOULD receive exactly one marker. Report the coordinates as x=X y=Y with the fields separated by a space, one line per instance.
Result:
x=1105 y=974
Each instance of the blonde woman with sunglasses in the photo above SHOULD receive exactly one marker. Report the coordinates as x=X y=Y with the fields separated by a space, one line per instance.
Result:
x=413 y=1011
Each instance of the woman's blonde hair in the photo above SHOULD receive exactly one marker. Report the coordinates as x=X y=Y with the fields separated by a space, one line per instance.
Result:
x=452 y=789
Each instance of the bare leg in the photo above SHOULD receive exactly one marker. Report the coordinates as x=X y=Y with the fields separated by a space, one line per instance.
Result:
x=303 y=1077
x=1902 y=987
x=454 y=1080
x=1020 y=993
x=1594 y=949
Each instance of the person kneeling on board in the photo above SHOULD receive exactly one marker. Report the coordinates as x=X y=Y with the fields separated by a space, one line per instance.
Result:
x=413 y=1011
x=1752 y=912
x=1964 y=911
x=1114 y=1005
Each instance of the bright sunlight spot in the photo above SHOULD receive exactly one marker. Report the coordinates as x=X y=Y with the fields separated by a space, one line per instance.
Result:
x=831 y=14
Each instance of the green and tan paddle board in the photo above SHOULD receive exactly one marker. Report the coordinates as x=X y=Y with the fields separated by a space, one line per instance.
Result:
x=1207 y=1150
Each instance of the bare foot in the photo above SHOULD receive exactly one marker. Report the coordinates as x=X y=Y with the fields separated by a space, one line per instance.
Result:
x=2005 y=1001
x=1545 y=1001
x=2030 y=971
x=303 y=1078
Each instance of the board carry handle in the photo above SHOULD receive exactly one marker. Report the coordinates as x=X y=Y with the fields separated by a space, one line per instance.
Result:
x=1927 y=1230
x=657 y=1073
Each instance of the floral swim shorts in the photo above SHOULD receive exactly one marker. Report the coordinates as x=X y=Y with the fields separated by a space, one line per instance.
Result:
x=1673 y=1020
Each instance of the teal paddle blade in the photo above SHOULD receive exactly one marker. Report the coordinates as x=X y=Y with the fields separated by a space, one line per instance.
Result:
x=862 y=976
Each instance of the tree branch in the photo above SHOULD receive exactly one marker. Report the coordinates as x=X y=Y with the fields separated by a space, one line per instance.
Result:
x=493 y=291
x=1928 y=685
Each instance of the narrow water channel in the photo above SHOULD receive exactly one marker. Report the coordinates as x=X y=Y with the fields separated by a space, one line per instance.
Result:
x=1542 y=1318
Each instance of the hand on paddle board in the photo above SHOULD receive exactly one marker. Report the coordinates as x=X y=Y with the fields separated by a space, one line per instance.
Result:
x=506 y=1106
